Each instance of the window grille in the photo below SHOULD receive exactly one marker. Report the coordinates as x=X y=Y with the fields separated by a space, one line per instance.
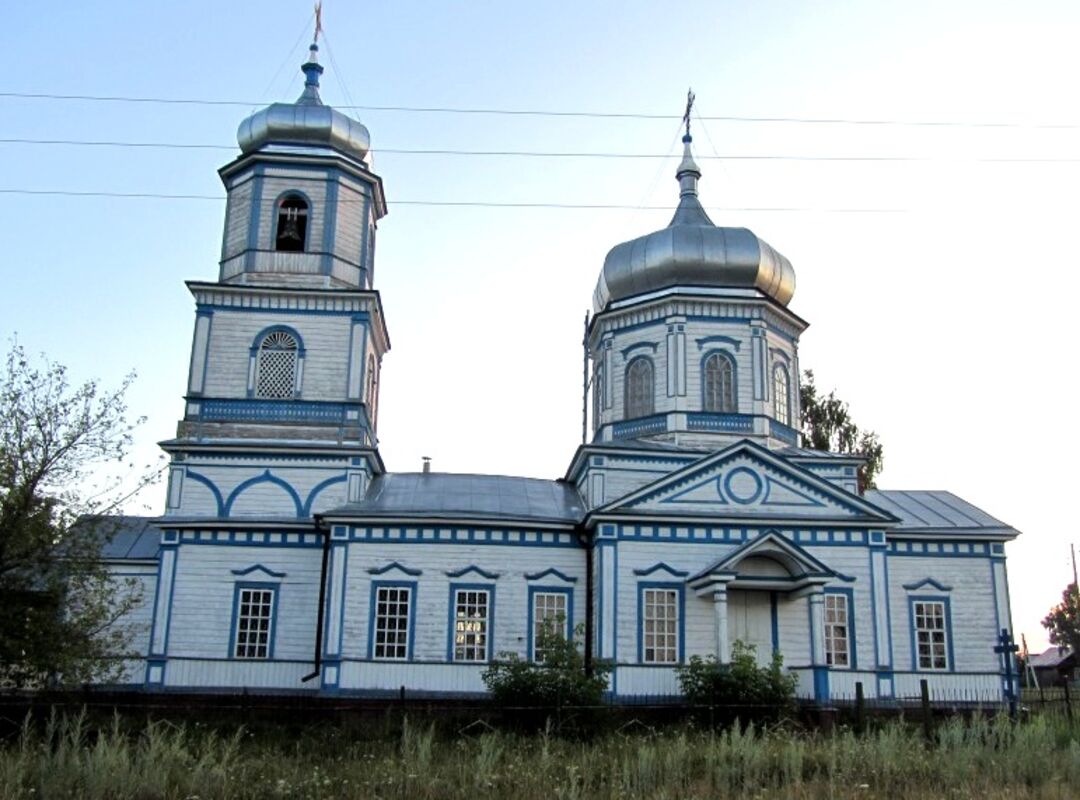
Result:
x=277 y=366
x=660 y=626
x=392 y=623
x=781 y=399
x=549 y=609
x=639 y=388
x=837 y=643
x=471 y=625
x=719 y=384
x=931 y=635
x=292 y=225
x=254 y=616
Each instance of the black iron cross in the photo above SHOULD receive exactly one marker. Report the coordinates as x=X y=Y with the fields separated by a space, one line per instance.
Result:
x=1006 y=647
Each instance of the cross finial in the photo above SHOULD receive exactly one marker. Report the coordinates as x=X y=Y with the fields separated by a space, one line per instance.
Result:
x=689 y=106
x=318 y=20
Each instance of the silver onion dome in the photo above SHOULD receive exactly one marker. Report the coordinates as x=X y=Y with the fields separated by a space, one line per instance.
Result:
x=692 y=251
x=307 y=121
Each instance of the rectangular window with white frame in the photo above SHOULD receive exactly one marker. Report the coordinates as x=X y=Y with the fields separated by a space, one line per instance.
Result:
x=550 y=609
x=931 y=634
x=472 y=607
x=392 y=621
x=661 y=625
x=253 y=632
x=838 y=639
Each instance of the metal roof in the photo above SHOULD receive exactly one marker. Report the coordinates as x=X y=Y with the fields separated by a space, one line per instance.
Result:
x=936 y=512
x=439 y=495
x=134 y=538
x=1051 y=657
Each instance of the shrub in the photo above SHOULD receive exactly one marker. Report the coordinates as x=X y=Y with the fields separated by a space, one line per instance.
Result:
x=559 y=680
x=705 y=681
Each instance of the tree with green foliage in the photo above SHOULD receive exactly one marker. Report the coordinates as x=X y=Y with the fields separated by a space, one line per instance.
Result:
x=1063 y=621
x=739 y=683
x=559 y=680
x=59 y=606
x=827 y=425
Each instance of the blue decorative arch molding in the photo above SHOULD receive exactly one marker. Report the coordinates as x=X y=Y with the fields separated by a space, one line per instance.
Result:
x=209 y=484
x=257 y=341
x=473 y=568
x=258 y=568
x=392 y=566
x=776 y=352
x=661 y=567
x=317 y=489
x=728 y=340
x=911 y=587
x=266 y=477
x=536 y=576
x=650 y=346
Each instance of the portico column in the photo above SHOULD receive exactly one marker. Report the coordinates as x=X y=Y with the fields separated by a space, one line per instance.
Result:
x=817 y=645
x=723 y=651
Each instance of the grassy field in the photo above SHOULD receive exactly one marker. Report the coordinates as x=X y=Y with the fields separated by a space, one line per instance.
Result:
x=981 y=758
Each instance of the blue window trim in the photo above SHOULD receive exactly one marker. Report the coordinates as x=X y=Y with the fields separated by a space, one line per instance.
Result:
x=853 y=656
x=626 y=387
x=452 y=619
x=680 y=590
x=281 y=198
x=950 y=665
x=726 y=356
x=531 y=632
x=238 y=587
x=372 y=604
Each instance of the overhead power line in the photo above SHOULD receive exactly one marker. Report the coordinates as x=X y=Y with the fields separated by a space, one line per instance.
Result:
x=521 y=112
x=454 y=203
x=569 y=154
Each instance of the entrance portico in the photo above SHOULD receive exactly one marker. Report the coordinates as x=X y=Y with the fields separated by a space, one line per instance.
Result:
x=746 y=586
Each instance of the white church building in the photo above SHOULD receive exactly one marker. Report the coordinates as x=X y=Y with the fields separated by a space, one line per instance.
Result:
x=288 y=560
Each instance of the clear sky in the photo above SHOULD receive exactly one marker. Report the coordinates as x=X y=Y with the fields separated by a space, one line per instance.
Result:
x=939 y=284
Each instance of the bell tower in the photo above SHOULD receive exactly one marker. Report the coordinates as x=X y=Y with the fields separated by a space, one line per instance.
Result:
x=282 y=393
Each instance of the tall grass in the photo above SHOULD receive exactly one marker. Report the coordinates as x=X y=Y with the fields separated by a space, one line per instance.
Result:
x=66 y=756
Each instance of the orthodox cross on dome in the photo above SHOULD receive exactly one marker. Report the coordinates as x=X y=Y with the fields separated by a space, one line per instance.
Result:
x=318 y=20
x=690 y=97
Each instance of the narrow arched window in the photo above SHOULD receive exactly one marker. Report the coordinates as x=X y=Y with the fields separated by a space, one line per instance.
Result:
x=276 y=370
x=781 y=396
x=292 y=222
x=719 y=381
x=639 y=388
x=597 y=396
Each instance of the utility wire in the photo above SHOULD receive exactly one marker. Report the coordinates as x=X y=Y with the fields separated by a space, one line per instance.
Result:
x=453 y=203
x=568 y=154
x=932 y=123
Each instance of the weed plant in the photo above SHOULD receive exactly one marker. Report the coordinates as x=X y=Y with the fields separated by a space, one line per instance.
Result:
x=67 y=756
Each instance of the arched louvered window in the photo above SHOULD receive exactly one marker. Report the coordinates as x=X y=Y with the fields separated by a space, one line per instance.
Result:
x=276 y=370
x=292 y=219
x=597 y=396
x=372 y=388
x=639 y=388
x=719 y=380
x=781 y=396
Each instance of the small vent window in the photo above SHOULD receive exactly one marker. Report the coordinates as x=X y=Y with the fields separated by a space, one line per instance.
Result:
x=292 y=225
x=277 y=366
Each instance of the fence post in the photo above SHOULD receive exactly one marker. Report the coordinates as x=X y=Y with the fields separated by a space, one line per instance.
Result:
x=927 y=720
x=1068 y=702
x=860 y=707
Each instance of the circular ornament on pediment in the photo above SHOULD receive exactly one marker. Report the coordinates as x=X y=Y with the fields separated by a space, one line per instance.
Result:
x=743 y=485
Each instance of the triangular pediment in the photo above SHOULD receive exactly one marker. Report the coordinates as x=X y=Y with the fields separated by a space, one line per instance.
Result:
x=746 y=481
